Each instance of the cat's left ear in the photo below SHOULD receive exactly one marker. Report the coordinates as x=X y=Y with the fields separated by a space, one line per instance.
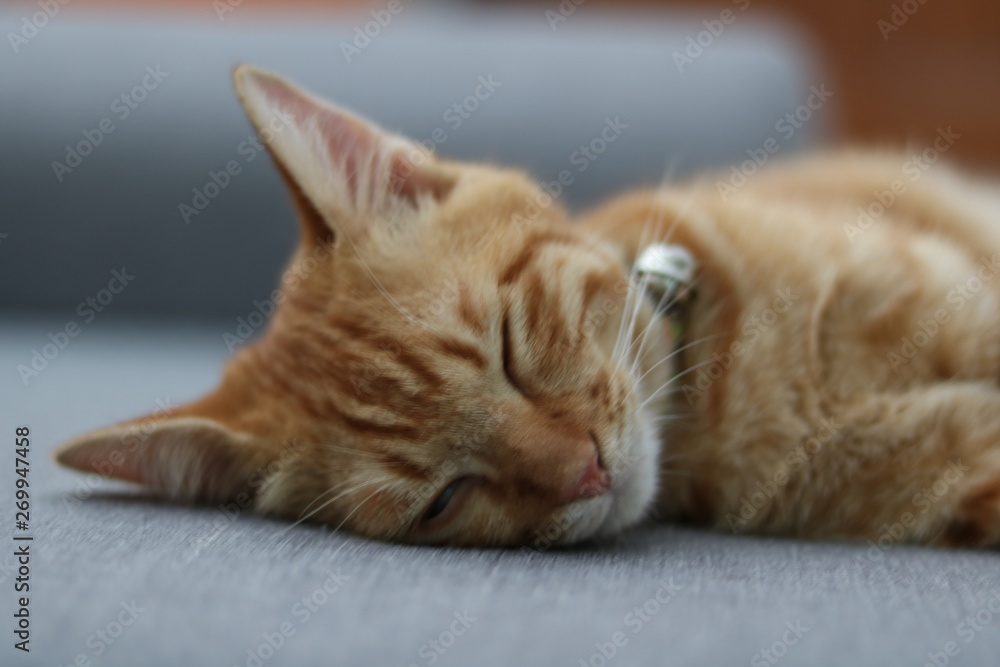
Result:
x=349 y=170
x=191 y=458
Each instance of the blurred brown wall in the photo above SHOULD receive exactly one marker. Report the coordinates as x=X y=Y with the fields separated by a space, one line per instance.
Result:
x=940 y=68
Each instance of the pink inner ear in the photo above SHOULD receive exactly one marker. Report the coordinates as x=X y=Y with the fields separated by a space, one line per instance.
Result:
x=348 y=140
x=352 y=143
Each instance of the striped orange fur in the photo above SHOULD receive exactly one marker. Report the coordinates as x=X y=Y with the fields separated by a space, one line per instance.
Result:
x=846 y=382
x=453 y=363
x=428 y=347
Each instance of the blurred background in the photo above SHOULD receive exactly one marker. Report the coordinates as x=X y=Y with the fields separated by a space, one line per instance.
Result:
x=143 y=230
x=701 y=85
x=902 y=68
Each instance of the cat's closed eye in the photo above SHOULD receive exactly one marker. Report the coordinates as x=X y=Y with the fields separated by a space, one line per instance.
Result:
x=448 y=503
x=446 y=367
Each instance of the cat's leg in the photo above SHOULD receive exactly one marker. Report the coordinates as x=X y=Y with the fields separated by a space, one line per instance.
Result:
x=928 y=461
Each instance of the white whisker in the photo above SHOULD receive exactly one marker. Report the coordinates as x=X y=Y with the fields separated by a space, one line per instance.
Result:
x=676 y=377
x=358 y=506
x=348 y=450
x=334 y=499
x=676 y=352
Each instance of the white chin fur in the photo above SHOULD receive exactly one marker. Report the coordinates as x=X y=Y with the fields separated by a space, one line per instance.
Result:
x=633 y=492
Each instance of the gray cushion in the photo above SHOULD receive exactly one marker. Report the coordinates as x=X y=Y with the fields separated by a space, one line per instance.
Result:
x=210 y=585
x=120 y=206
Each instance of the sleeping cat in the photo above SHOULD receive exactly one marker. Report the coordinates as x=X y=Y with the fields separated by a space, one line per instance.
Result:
x=453 y=361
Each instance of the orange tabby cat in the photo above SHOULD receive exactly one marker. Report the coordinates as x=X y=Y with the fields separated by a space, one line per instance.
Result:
x=454 y=362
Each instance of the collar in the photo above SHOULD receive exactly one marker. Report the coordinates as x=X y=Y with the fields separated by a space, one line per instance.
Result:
x=666 y=273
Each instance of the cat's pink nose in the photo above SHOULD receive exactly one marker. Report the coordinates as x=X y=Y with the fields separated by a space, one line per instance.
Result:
x=594 y=481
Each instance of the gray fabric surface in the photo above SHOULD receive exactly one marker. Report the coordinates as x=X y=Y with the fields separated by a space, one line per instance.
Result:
x=120 y=206
x=210 y=587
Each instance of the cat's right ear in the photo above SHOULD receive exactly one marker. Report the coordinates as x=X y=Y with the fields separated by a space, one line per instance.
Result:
x=342 y=169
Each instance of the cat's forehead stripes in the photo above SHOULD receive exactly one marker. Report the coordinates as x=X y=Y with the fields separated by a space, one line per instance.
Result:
x=553 y=304
x=595 y=282
x=460 y=349
x=363 y=352
x=530 y=249
x=390 y=383
x=601 y=280
x=469 y=312
x=369 y=427
x=536 y=304
x=398 y=463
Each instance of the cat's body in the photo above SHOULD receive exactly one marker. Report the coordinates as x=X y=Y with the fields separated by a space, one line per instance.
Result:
x=847 y=383
x=453 y=361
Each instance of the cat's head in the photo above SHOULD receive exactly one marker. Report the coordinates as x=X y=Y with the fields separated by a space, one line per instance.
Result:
x=451 y=360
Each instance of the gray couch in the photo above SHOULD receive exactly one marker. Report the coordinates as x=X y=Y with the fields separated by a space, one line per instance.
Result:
x=120 y=578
